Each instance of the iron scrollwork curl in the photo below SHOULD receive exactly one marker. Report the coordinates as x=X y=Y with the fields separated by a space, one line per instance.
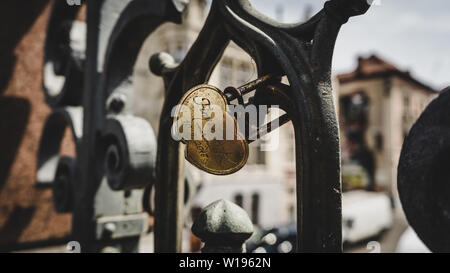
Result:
x=131 y=155
x=52 y=136
x=90 y=65
x=64 y=184
x=65 y=49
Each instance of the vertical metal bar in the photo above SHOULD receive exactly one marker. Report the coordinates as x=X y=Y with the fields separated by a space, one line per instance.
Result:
x=83 y=226
x=169 y=187
x=169 y=192
x=323 y=192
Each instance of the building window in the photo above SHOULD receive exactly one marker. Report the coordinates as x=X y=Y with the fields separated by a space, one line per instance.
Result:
x=291 y=145
x=226 y=73
x=243 y=74
x=255 y=208
x=291 y=190
x=239 y=200
x=406 y=101
x=292 y=213
x=379 y=142
x=260 y=155
x=256 y=155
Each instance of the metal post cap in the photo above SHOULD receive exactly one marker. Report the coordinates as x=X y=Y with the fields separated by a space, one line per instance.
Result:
x=223 y=223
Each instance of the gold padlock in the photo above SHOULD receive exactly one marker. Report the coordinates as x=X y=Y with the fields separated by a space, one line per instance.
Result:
x=216 y=156
x=224 y=155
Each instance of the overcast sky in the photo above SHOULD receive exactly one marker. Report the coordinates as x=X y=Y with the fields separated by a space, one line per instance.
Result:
x=412 y=34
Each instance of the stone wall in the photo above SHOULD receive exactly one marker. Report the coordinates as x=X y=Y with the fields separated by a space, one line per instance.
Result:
x=27 y=216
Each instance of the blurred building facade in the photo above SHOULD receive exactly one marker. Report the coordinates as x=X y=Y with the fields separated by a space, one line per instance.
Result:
x=378 y=104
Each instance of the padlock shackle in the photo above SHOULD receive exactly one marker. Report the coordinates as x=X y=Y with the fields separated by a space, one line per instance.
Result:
x=268 y=81
x=267 y=128
x=233 y=93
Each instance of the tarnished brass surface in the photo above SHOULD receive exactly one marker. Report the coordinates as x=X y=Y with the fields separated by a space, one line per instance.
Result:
x=219 y=157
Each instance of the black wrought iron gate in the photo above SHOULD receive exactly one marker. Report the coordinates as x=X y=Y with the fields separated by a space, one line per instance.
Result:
x=116 y=152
